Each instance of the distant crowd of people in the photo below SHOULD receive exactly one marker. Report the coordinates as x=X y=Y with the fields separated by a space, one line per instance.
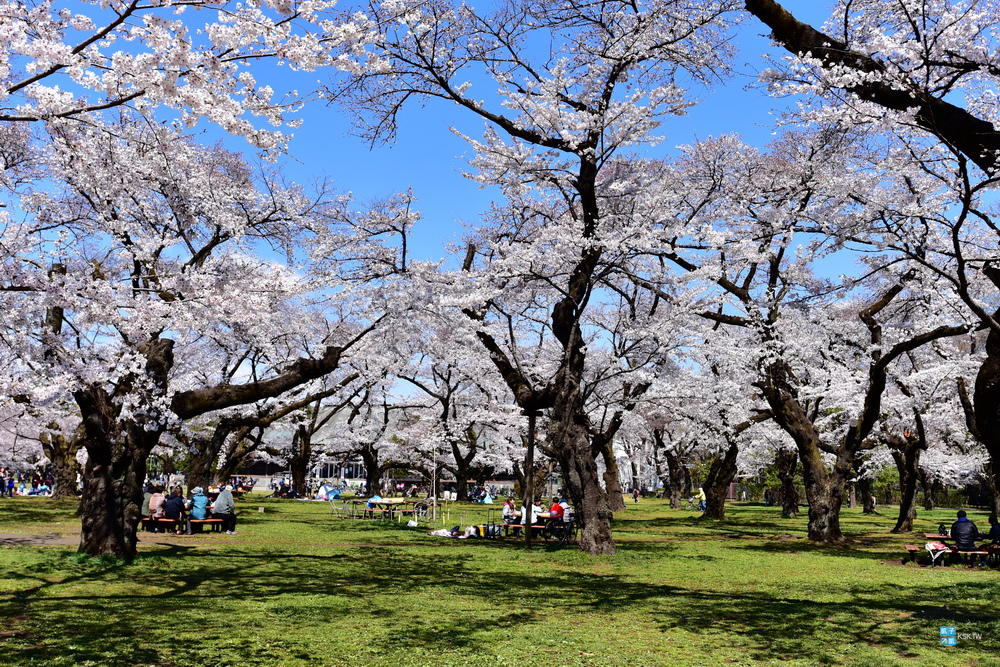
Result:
x=25 y=484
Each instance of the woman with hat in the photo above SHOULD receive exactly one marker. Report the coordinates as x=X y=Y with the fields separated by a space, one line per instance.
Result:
x=198 y=506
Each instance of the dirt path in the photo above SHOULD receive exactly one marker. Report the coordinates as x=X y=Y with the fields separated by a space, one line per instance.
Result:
x=21 y=540
x=51 y=540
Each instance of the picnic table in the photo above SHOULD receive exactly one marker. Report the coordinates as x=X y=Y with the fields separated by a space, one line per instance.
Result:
x=383 y=508
x=950 y=549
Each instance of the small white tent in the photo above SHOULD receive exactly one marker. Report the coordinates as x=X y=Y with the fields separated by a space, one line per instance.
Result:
x=327 y=492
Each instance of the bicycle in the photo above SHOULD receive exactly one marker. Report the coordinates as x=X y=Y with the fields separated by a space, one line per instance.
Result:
x=559 y=532
x=692 y=505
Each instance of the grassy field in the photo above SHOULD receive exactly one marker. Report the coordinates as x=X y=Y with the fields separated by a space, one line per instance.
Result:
x=299 y=587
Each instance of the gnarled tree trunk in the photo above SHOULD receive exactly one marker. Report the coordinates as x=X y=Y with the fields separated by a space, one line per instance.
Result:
x=579 y=469
x=612 y=476
x=117 y=451
x=721 y=473
x=868 y=501
x=786 y=461
x=987 y=400
x=906 y=454
x=61 y=452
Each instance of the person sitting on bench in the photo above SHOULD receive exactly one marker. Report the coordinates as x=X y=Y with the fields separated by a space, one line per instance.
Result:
x=556 y=511
x=965 y=533
x=198 y=506
x=156 y=506
x=224 y=508
x=173 y=508
x=993 y=536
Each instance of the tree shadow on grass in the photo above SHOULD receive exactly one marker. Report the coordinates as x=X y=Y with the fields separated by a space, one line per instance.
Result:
x=39 y=511
x=434 y=601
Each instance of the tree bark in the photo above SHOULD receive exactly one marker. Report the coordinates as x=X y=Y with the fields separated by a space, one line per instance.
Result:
x=721 y=473
x=868 y=501
x=612 y=475
x=298 y=462
x=205 y=452
x=824 y=488
x=906 y=452
x=786 y=461
x=579 y=468
x=987 y=402
x=677 y=481
x=199 y=466
x=930 y=488
x=61 y=452
x=463 y=464
x=117 y=453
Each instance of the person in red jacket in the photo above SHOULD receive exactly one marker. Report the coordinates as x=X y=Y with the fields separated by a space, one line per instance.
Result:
x=556 y=511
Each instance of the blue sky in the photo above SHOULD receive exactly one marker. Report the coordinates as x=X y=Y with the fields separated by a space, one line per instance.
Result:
x=428 y=157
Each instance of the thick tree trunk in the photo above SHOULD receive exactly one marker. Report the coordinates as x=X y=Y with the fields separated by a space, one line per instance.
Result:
x=786 y=462
x=199 y=467
x=463 y=463
x=612 y=476
x=373 y=471
x=824 y=488
x=113 y=477
x=868 y=500
x=64 y=472
x=906 y=454
x=987 y=403
x=680 y=481
x=590 y=501
x=61 y=452
x=568 y=440
x=929 y=489
x=825 y=494
x=112 y=498
x=674 y=480
x=991 y=484
x=117 y=453
x=720 y=474
x=298 y=462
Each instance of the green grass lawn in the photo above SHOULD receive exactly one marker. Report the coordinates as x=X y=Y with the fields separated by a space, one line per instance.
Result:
x=299 y=587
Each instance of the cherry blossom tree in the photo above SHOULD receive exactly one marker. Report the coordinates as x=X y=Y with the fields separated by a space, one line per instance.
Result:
x=133 y=266
x=925 y=72
x=66 y=60
x=461 y=393
x=556 y=117
x=765 y=280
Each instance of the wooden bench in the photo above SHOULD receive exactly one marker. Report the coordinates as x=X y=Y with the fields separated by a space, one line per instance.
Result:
x=971 y=561
x=520 y=526
x=950 y=554
x=155 y=525
x=214 y=524
x=171 y=525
